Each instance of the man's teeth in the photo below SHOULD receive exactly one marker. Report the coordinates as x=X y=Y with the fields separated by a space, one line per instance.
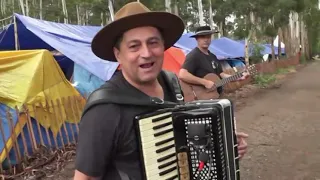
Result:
x=147 y=65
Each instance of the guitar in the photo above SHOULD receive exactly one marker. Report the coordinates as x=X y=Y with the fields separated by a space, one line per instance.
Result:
x=198 y=92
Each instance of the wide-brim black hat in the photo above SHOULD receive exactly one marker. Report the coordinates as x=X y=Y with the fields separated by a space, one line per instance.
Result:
x=203 y=31
x=134 y=15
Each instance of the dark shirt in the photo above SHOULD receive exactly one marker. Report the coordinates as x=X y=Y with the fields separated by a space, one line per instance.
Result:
x=107 y=138
x=199 y=64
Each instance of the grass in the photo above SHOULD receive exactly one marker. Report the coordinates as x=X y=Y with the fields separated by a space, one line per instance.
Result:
x=263 y=80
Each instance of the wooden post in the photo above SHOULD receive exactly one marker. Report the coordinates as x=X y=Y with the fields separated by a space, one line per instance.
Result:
x=15 y=33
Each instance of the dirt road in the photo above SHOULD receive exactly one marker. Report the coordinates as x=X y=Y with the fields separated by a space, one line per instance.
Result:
x=284 y=127
x=283 y=124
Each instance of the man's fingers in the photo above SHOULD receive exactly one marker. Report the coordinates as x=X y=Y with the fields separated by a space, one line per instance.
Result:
x=242 y=152
x=242 y=147
x=242 y=135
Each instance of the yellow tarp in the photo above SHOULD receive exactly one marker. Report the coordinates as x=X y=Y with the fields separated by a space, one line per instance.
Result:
x=33 y=76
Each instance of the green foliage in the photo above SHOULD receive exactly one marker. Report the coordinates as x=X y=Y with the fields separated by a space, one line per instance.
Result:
x=257 y=49
x=256 y=53
x=270 y=30
x=263 y=80
x=278 y=11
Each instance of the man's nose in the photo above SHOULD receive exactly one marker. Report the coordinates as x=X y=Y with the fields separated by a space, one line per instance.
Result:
x=145 y=51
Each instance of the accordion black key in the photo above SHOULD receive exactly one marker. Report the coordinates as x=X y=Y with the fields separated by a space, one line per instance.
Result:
x=194 y=141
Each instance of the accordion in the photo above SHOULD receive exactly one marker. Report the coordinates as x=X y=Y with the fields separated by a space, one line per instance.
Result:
x=193 y=141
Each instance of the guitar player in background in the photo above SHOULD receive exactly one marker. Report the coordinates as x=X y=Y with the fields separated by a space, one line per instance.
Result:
x=200 y=62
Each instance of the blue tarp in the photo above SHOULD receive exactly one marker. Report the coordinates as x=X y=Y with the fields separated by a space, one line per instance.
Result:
x=223 y=48
x=65 y=135
x=229 y=46
x=84 y=81
x=266 y=50
x=190 y=43
x=275 y=49
x=236 y=63
x=71 y=40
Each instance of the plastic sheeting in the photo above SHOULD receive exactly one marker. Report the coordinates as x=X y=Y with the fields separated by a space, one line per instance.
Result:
x=173 y=60
x=71 y=128
x=84 y=81
x=266 y=50
x=189 y=43
x=29 y=77
x=229 y=46
x=71 y=40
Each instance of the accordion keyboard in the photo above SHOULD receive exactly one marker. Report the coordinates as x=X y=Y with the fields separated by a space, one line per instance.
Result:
x=158 y=144
x=189 y=142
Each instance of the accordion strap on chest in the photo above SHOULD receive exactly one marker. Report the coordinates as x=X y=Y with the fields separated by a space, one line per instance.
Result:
x=105 y=96
x=174 y=84
x=123 y=175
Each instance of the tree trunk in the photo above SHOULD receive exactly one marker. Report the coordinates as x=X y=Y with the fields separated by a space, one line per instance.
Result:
x=279 y=43
x=220 y=30
x=40 y=13
x=200 y=12
x=78 y=14
x=272 y=49
x=65 y=12
x=111 y=10
x=22 y=7
x=168 y=5
x=27 y=8
x=287 y=40
x=102 y=18
x=247 y=52
x=305 y=49
x=210 y=15
x=176 y=11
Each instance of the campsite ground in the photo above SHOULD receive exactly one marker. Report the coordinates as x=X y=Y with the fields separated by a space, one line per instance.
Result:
x=283 y=124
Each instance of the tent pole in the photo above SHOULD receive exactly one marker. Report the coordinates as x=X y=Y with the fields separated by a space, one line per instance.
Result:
x=15 y=33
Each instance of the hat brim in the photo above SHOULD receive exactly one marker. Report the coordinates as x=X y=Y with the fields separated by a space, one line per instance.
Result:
x=170 y=25
x=204 y=33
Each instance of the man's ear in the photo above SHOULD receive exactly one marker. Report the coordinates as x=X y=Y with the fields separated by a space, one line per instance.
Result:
x=117 y=54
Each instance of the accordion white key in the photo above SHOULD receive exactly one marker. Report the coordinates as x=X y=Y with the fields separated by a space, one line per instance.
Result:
x=194 y=141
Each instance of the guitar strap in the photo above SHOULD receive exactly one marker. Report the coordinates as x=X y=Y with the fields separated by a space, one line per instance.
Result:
x=214 y=66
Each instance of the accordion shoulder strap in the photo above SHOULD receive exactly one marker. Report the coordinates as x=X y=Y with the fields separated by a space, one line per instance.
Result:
x=174 y=84
x=105 y=95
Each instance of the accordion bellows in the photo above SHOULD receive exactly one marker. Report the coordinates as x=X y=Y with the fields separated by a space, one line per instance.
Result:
x=194 y=141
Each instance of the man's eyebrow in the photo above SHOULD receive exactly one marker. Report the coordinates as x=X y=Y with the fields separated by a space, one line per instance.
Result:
x=149 y=39
x=133 y=41
x=154 y=38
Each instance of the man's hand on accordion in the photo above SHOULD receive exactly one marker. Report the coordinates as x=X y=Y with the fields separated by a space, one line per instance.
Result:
x=242 y=144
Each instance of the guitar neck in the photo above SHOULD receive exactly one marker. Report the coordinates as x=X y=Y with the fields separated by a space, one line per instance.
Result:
x=229 y=79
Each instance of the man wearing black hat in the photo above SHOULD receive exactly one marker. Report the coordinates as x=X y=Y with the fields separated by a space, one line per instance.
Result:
x=200 y=61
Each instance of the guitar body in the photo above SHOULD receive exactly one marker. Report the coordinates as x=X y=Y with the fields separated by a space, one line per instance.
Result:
x=194 y=92
x=198 y=92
